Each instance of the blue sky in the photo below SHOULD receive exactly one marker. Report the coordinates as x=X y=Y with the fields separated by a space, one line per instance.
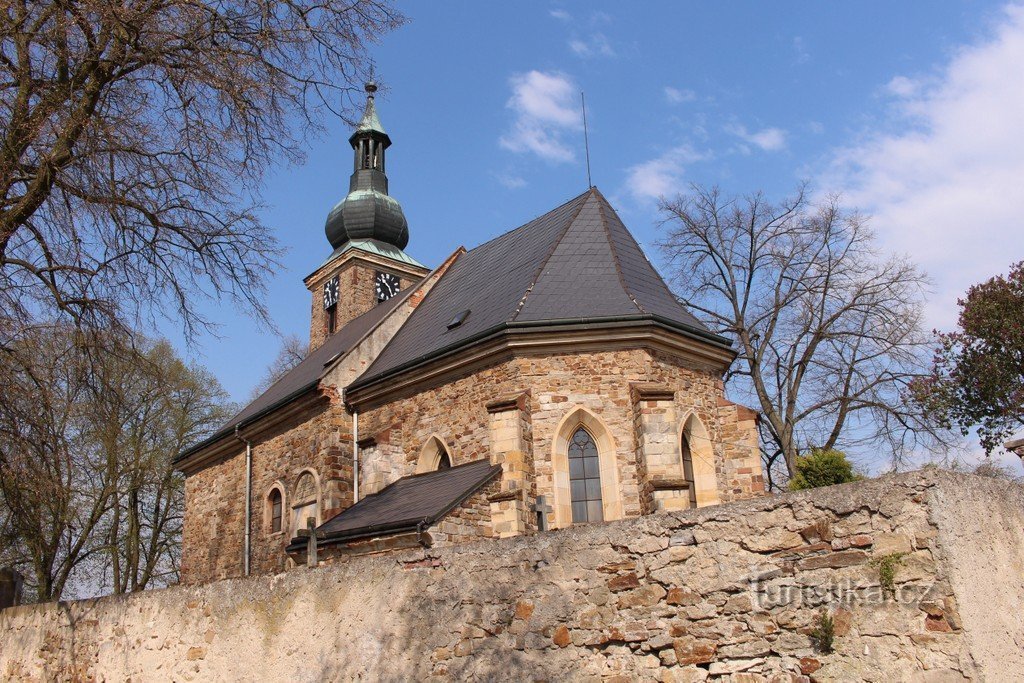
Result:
x=915 y=111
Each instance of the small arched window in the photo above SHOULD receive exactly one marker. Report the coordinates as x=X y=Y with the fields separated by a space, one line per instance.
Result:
x=443 y=461
x=585 y=478
x=275 y=503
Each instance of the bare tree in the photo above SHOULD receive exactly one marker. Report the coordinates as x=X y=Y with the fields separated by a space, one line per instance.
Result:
x=133 y=137
x=293 y=351
x=827 y=330
x=89 y=501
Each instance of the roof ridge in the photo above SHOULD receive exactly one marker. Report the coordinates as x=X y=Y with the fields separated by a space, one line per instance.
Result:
x=615 y=253
x=554 y=247
x=654 y=269
x=439 y=272
x=527 y=223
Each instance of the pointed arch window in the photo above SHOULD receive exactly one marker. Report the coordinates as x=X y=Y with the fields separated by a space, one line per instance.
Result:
x=443 y=461
x=585 y=478
x=688 y=467
x=434 y=456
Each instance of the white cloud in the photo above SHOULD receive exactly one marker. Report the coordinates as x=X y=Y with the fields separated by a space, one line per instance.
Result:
x=768 y=139
x=560 y=14
x=511 y=181
x=661 y=176
x=546 y=105
x=596 y=45
x=901 y=86
x=678 y=96
x=944 y=183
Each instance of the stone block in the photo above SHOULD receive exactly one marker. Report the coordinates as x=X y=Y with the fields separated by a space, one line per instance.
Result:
x=692 y=651
x=843 y=558
x=891 y=543
x=623 y=582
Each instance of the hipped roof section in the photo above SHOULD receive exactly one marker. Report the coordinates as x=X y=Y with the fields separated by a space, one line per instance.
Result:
x=575 y=263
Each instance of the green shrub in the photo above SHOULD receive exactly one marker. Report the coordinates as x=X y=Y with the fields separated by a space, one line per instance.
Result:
x=821 y=467
x=887 y=566
x=824 y=633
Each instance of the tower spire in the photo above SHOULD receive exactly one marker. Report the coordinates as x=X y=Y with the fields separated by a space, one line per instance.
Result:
x=368 y=212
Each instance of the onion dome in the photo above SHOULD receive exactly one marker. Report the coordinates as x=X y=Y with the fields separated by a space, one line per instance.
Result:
x=368 y=212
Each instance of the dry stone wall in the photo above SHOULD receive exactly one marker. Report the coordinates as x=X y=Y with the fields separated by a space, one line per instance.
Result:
x=920 y=574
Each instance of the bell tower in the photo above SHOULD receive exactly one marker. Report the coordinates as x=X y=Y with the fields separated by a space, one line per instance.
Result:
x=368 y=232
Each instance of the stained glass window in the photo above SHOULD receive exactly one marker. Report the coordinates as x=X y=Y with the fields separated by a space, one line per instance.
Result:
x=585 y=478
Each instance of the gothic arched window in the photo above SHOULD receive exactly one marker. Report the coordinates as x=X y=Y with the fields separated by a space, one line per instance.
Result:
x=688 y=467
x=585 y=478
x=434 y=456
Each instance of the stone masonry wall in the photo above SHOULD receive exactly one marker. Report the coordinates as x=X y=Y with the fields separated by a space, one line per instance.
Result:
x=725 y=593
x=600 y=382
x=318 y=440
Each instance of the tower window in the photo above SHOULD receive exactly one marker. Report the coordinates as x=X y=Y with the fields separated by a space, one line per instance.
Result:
x=332 y=319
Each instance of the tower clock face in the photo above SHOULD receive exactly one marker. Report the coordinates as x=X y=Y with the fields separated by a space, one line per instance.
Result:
x=386 y=286
x=331 y=292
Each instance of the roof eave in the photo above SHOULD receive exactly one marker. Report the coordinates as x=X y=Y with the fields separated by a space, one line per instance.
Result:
x=497 y=330
x=226 y=433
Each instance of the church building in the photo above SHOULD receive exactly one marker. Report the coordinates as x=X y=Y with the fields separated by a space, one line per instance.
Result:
x=543 y=379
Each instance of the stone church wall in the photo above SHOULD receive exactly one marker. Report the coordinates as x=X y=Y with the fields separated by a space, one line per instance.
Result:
x=600 y=383
x=317 y=440
x=725 y=593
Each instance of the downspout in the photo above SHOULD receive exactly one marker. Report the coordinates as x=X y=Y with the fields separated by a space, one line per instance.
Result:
x=355 y=457
x=248 y=498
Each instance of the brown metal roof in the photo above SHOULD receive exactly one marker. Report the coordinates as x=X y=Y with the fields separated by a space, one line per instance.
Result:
x=418 y=500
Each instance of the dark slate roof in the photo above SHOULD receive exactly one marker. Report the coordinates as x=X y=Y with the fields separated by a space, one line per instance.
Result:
x=576 y=262
x=416 y=499
x=306 y=375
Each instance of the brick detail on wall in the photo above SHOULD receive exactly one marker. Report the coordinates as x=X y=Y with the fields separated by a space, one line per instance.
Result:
x=509 y=419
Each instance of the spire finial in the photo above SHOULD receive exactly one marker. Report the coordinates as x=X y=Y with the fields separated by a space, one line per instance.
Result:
x=370 y=87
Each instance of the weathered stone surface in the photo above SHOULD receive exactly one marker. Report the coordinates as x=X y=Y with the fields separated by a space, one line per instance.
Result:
x=889 y=544
x=809 y=665
x=525 y=608
x=682 y=596
x=642 y=597
x=692 y=651
x=623 y=582
x=843 y=558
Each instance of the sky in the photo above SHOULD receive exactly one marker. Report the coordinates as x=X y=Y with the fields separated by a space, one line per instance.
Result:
x=913 y=111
